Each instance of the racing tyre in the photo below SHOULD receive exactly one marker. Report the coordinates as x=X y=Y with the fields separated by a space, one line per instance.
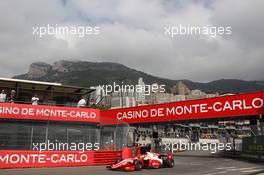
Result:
x=138 y=165
x=170 y=163
x=108 y=166
x=118 y=160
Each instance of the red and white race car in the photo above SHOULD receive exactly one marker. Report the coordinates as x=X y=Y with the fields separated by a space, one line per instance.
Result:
x=144 y=159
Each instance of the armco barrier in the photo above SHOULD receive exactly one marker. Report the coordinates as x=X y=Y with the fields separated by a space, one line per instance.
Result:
x=127 y=153
x=106 y=157
x=253 y=148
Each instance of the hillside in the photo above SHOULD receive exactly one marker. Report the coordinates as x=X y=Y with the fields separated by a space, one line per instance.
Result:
x=81 y=73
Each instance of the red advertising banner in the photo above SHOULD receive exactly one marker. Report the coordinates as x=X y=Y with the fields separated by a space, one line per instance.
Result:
x=39 y=112
x=27 y=159
x=226 y=106
x=218 y=107
x=32 y=159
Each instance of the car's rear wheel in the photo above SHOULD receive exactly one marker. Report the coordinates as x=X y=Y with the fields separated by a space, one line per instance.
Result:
x=138 y=165
x=170 y=163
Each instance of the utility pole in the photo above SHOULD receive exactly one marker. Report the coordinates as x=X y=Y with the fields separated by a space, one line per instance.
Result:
x=259 y=125
x=122 y=97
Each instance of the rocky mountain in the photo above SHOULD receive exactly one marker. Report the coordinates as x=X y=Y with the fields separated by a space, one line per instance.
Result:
x=38 y=69
x=82 y=73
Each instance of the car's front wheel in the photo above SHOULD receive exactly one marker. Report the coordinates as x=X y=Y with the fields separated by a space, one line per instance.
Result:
x=118 y=160
x=138 y=165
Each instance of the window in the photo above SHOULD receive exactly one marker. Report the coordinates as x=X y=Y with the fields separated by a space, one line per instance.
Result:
x=15 y=136
x=20 y=135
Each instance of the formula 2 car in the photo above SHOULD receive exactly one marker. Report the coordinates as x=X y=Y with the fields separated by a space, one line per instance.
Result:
x=144 y=159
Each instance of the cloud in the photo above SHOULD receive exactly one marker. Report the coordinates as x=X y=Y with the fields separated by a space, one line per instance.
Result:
x=132 y=33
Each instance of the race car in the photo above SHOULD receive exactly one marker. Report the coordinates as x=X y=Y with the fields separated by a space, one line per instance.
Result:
x=144 y=159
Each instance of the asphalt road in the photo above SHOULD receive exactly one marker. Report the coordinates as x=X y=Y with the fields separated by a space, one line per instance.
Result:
x=186 y=164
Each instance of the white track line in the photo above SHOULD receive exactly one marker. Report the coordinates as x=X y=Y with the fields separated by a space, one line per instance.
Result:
x=252 y=171
x=219 y=172
x=223 y=168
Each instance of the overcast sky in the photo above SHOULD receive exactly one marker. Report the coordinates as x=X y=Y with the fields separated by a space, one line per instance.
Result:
x=132 y=33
